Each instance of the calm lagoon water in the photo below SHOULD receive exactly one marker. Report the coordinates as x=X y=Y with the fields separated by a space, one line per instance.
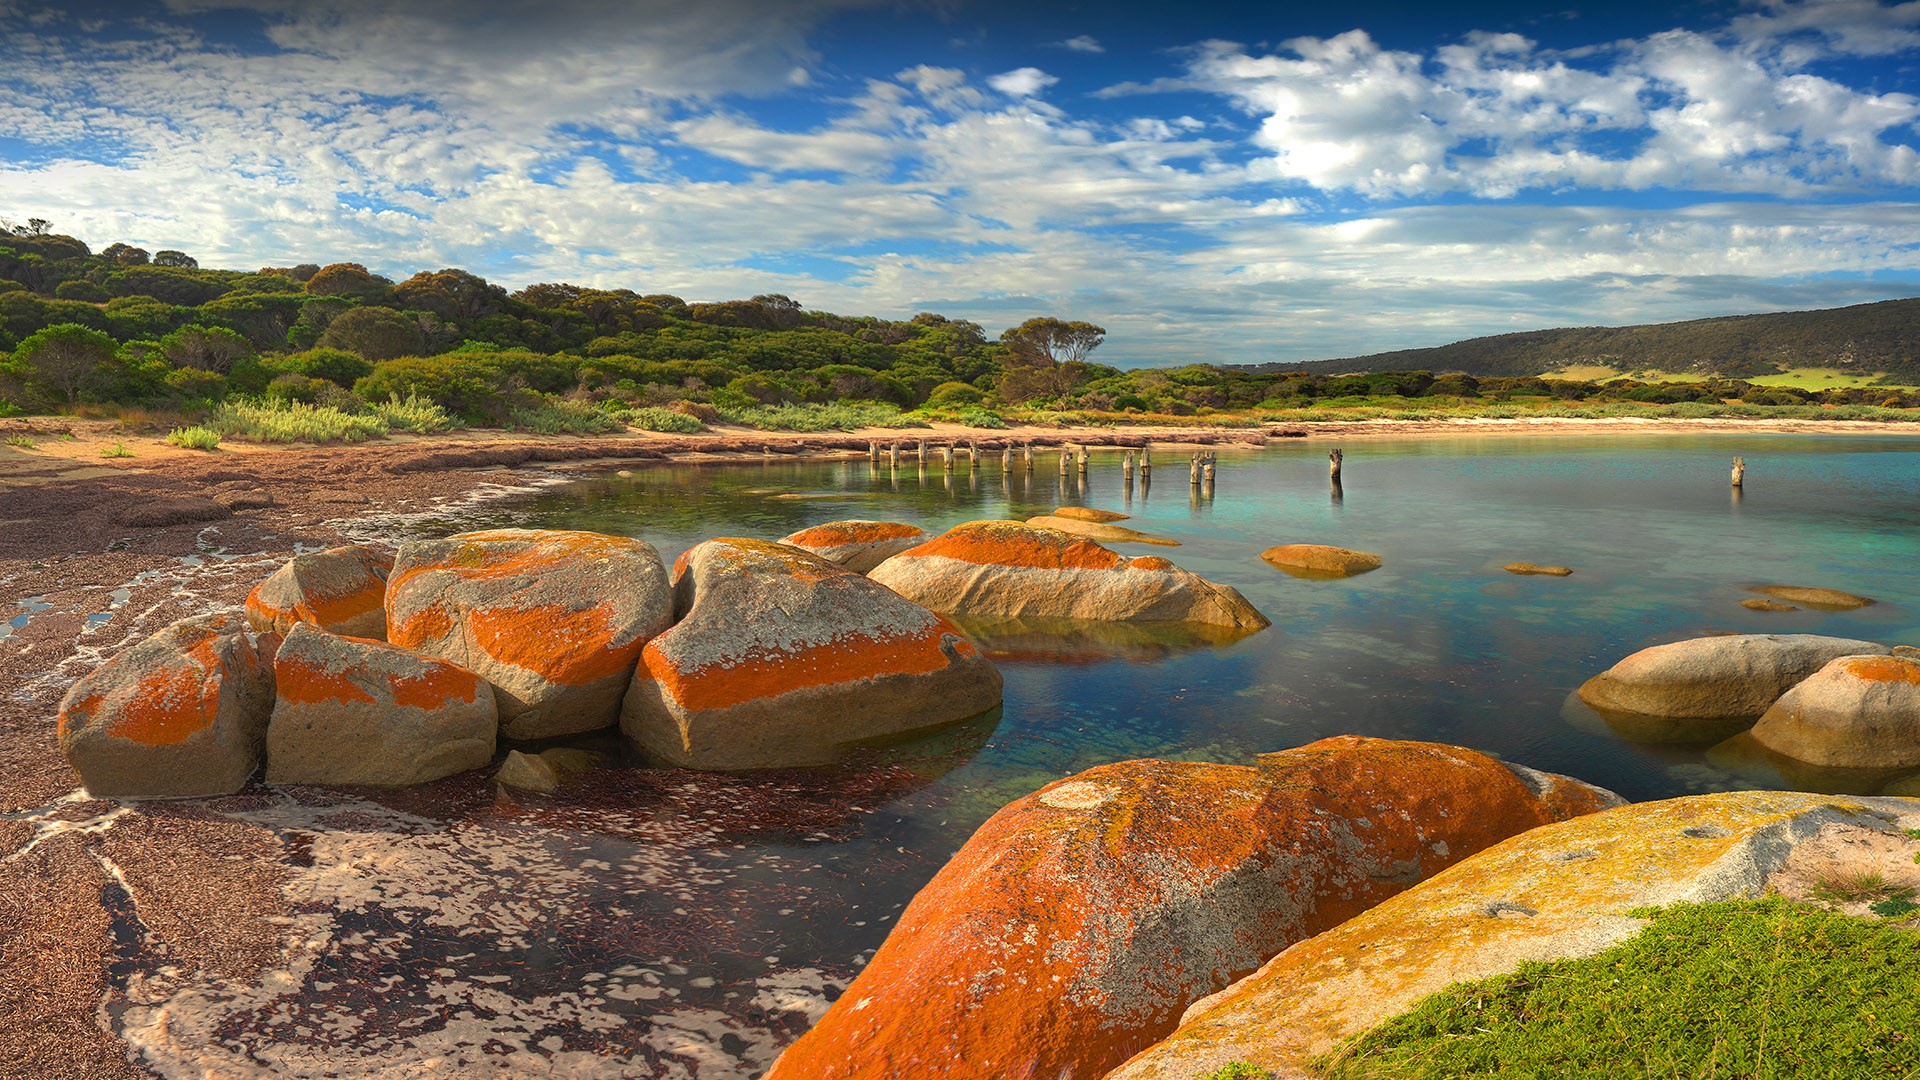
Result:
x=733 y=907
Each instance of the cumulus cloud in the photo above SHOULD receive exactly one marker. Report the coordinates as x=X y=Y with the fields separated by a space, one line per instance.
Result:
x=1085 y=43
x=1495 y=115
x=708 y=149
x=1021 y=82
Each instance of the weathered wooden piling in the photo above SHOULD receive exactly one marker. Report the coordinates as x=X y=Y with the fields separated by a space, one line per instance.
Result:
x=946 y=457
x=1739 y=472
x=873 y=452
x=1066 y=459
x=923 y=451
x=1146 y=460
x=1028 y=450
x=1006 y=459
x=1080 y=460
x=1333 y=465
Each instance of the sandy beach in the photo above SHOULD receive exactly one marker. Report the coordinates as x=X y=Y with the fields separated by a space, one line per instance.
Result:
x=96 y=552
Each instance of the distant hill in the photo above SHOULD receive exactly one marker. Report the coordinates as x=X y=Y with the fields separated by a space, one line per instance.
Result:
x=1882 y=337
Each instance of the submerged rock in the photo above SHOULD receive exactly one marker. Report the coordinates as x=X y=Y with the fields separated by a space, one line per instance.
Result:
x=855 y=544
x=1105 y=534
x=1320 y=560
x=1527 y=568
x=1820 y=599
x=1761 y=604
x=783 y=658
x=1716 y=678
x=1560 y=891
x=181 y=714
x=1857 y=712
x=357 y=711
x=1078 y=922
x=1088 y=514
x=1009 y=570
x=554 y=620
x=342 y=590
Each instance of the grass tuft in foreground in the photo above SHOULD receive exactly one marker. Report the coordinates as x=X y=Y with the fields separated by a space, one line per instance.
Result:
x=292 y=421
x=24 y=442
x=117 y=450
x=1757 y=989
x=197 y=437
x=412 y=413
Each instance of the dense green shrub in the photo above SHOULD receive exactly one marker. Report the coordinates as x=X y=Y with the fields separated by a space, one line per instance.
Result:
x=280 y=422
x=412 y=413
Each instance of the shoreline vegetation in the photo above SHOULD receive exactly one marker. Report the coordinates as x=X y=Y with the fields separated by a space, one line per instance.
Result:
x=318 y=354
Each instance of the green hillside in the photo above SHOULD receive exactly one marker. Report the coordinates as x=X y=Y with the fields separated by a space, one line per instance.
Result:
x=1865 y=338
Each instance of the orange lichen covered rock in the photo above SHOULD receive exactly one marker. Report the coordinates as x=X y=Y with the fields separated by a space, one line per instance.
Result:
x=181 y=714
x=1858 y=712
x=1716 y=678
x=554 y=620
x=1007 y=569
x=1078 y=922
x=342 y=590
x=358 y=711
x=1558 y=892
x=857 y=545
x=1320 y=560
x=783 y=658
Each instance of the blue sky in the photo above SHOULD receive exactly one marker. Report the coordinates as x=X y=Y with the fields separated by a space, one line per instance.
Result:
x=1212 y=182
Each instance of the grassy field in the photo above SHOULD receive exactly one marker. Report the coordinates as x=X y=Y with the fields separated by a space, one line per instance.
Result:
x=1820 y=379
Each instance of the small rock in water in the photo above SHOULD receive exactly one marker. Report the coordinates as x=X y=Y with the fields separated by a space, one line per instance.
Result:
x=1530 y=568
x=1760 y=604
x=1088 y=513
x=1320 y=560
x=1822 y=599
x=528 y=772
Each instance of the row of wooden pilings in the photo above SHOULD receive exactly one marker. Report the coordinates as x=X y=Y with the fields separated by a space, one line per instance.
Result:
x=1200 y=466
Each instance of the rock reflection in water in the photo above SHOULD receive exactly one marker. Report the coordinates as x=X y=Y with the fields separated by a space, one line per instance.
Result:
x=642 y=922
x=1071 y=641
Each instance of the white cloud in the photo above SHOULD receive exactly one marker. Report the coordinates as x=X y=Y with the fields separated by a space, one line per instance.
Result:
x=1858 y=27
x=1085 y=43
x=1021 y=82
x=1495 y=115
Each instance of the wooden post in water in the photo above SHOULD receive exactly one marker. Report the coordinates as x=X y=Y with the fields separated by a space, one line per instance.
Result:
x=893 y=455
x=1066 y=459
x=1193 y=470
x=873 y=452
x=1333 y=466
x=1126 y=467
x=1146 y=460
x=1206 y=471
x=973 y=455
x=1739 y=472
x=946 y=456
x=1028 y=450
x=923 y=452
x=1080 y=459
x=1006 y=458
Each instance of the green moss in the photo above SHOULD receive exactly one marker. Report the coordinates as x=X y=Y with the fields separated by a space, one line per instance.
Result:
x=1759 y=989
x=1238 y=1070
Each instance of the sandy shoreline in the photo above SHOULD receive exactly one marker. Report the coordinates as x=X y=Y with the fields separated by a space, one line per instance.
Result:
x=109 y=549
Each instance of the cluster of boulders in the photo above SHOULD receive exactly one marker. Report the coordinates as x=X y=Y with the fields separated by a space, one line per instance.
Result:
x=1075 y=926
x=1167 y=919
x=1821 y=700
x=353 y=668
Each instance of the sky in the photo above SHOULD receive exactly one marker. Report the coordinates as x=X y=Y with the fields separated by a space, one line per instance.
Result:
x=1227 y=183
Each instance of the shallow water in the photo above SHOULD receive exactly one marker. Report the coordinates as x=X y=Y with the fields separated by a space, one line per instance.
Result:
x=665 y=923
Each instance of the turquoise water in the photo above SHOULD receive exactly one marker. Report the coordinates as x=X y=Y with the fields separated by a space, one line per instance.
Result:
x=740 y=891
x=1440 y=643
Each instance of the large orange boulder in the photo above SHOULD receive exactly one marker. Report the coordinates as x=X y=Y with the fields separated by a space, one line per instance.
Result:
x=1078 y=922
x=1011 y=570
x=181 y=714
x=358 y=711
x=1857 y=712
x=857 y=545
x=783 y=658
x=343 y=590
x=554 y=620
x=1716 y=678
